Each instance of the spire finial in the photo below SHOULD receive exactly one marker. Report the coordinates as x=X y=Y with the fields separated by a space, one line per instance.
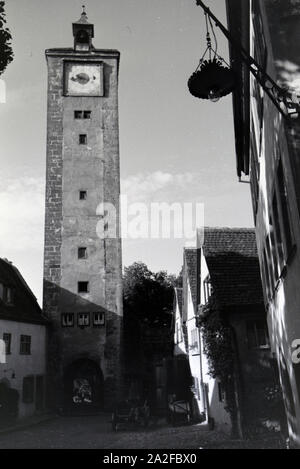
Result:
x=83 y=13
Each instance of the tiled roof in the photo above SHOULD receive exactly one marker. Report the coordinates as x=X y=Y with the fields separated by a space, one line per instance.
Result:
x=191 y=262
x=238 y=240
x=25 y=307
x=231 y=256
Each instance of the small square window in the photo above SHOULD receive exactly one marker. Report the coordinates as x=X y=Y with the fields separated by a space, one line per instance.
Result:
x=99 y=319
x=83 y=319
x=82 y=195
x=82 y=253
x=67 y=319
x=82 y=139
x=7 y=341
x=83 y=287
x=87 y=114
x=257 y=334
x=78 y=114
x=25 y=345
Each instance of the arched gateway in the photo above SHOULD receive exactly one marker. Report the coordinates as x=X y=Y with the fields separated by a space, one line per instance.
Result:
x=83 y=386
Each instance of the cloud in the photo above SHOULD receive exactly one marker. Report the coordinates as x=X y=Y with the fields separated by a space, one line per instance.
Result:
x=160 y=186
x=21 y=214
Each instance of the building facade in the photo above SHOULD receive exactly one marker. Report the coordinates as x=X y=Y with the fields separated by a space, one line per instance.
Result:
x=222 y=350
x=190 y=361
x=267 y=148
x=22 y=348
x=82 y=254
x=232 y=307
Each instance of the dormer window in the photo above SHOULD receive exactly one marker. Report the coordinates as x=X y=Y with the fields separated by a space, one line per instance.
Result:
x=6 y=294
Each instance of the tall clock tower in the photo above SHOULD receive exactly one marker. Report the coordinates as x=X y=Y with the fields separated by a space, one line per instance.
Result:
x=82 y=256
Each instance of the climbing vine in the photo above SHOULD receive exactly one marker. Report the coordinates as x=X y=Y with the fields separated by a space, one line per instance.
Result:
x=218 y=347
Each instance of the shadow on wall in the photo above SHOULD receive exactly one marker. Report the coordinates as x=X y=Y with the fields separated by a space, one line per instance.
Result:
x=9 y=403
x=83 y=359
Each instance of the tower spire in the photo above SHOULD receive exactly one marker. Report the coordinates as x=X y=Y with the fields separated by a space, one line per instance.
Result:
x=83 y=13
x=83 y=32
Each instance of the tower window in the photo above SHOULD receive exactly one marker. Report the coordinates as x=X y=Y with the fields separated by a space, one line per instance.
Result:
x=67 y=319
x=82 y=114
x=83 y=287
x=82 y=37
x=82 y=139
x=99 y=319
x=78 y=114
x=82 y=253
x=83 y=319
x=82 y=195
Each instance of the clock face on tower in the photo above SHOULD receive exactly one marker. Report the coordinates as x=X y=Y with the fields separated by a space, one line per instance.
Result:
x=83 y=79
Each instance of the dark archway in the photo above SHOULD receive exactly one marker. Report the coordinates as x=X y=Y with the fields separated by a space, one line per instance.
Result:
x=83 y=387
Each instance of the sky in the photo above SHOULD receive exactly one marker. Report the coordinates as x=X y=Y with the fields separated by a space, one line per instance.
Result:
x=173 y=147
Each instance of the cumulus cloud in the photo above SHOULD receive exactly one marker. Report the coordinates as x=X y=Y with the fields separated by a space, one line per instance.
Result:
x=161 y=205
x=161 y=186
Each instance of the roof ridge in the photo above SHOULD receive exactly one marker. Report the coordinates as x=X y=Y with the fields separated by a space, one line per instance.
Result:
x=228 y=228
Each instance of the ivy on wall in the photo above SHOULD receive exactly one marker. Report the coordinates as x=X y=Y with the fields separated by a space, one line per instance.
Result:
x=218 y=347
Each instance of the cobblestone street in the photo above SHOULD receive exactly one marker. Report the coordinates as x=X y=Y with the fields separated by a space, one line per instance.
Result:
x=94 y=432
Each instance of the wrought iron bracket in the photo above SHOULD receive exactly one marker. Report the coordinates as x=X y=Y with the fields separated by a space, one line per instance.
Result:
x=286 y=101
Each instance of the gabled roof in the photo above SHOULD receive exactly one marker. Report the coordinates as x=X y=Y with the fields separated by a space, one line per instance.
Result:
x=222 y=240
x=232 y=261
x=25 y=307
x=190 y=255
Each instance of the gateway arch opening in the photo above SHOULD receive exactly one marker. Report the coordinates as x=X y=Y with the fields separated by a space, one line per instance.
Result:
x=83 y=386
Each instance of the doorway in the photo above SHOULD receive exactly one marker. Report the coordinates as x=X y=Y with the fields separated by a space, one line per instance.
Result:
x=83 y=387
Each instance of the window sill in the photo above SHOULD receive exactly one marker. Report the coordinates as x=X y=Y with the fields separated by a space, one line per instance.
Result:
x=284 y=272
x=262 y=348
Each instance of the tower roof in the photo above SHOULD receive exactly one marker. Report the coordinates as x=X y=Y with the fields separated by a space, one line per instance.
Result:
x=83 y=25
x=83 y=19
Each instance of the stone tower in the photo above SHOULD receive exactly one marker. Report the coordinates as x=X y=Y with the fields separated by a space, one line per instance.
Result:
x=82 y=256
